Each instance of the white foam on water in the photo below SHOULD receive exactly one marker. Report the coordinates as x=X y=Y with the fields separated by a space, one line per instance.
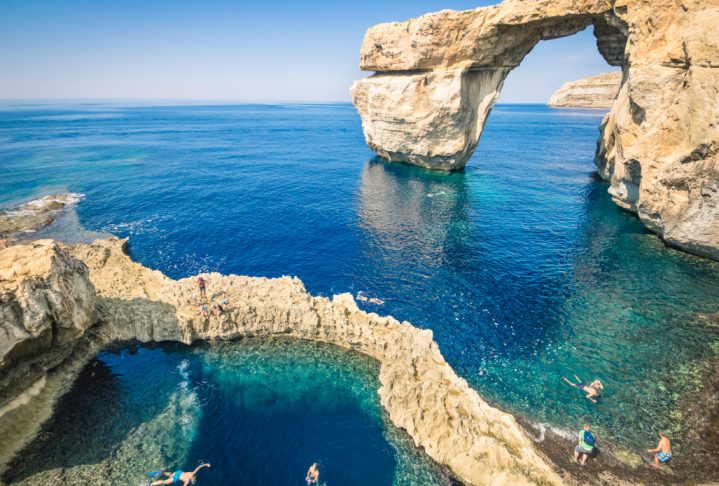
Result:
x=543 y=428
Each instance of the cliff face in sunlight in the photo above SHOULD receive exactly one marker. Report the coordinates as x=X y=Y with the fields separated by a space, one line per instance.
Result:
x=62 y=304
x=438 y=76
x=598 y=91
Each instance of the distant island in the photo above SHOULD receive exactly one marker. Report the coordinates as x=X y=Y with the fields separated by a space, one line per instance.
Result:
x=598 y=91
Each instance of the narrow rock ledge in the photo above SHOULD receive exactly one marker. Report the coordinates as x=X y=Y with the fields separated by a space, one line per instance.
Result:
x=61 y=304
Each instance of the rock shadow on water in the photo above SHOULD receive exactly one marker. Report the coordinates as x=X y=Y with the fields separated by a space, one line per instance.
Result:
x=64 y=441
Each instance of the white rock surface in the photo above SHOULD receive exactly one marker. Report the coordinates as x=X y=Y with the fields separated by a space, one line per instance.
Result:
x=598 y=91
x=438 y=76
x=421 y=392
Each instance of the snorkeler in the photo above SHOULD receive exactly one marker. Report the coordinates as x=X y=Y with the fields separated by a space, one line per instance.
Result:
x=592 y=389
x=313 y=474
x=180 y=477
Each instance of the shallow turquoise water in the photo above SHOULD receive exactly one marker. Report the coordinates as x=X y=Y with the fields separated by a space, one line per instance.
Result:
x=260 y=412
x=522 y=266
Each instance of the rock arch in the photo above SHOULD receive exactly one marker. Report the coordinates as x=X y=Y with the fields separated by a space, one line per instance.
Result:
x=437 y=78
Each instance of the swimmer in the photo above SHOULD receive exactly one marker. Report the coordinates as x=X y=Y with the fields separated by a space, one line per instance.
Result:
x=180 y=477
x=592 y=389
x=663 y=451
x=361 y=297
x=376 y=301
x=313 y=474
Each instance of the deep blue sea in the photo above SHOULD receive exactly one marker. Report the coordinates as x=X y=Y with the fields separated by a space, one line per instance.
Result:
x=522 y=266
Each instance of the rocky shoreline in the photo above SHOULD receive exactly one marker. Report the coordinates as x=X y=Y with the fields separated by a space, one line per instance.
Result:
x=61 y=304
x=34 y=215
x=435 y=80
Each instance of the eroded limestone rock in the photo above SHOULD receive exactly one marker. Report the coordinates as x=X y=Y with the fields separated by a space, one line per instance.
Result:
x=438 y=76
x=421 y=392
x=598 y=91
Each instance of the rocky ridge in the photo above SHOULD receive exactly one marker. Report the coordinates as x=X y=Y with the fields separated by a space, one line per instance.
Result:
x=438 y=76
x=598 y=91
x=61 y=304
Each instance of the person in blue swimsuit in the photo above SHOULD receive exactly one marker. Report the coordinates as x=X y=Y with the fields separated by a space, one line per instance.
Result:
x=663 y=451
x=180 y=477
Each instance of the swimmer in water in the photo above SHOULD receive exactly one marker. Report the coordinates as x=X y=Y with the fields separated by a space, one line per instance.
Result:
x=180 y=477
x=592 y=389
x=313 y=475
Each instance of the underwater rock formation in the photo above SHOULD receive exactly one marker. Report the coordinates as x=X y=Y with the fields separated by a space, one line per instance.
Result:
x=598 y=91
x=438 y=76
x=94 y=295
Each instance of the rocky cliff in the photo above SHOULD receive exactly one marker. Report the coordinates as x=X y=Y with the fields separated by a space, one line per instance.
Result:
x=438 y=76
x=61 y=304
x=598 y=91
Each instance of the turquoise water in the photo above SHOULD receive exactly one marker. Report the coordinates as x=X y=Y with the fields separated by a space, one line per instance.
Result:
x=260 y=412
x=521 y=265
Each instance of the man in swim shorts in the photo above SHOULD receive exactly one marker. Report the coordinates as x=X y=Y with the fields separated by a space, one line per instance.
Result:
x=663 y=452
x=592 y=389
x=202 y=285
x=313 y=475
x=180 y=477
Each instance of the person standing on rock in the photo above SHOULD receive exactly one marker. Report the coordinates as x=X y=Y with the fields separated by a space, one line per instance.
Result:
x=663 y=451
x=585 y=445
x=202 y=285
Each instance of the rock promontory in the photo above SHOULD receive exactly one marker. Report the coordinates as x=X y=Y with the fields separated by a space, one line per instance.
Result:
x=598 y=91
x=61 y=304
x=438 y=76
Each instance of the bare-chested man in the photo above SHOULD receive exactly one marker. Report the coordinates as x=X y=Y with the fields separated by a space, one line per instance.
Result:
x=592 y=389
x=313 y=474
x=663 y=452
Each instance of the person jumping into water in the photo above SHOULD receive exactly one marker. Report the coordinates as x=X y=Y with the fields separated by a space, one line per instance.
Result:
x=313 y=475
x=180 y=477
x=202 y=285
x=592 y=389
x=663 y=452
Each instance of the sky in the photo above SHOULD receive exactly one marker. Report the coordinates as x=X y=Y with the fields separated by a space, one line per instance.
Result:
x=231 y=50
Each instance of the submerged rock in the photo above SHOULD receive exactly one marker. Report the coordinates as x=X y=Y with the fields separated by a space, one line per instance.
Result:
x=95 y=295
x=437 y=78
x=598 y=91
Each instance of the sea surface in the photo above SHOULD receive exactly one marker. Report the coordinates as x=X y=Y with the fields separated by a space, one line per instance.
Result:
x=522 y=266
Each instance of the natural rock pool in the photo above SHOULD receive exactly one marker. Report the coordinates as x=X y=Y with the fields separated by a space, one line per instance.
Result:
x=260 y=411
x=522 y=266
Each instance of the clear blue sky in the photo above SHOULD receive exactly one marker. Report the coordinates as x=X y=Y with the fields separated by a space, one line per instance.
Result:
x=227 y=49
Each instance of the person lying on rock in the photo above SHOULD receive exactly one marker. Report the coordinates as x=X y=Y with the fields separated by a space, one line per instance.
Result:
x=663 y=451
x=592 y=389
x=180 y=477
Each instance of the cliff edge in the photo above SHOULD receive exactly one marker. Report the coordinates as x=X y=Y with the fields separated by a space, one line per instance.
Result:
x=61 y=304
x=437 y=77
x=598 y=91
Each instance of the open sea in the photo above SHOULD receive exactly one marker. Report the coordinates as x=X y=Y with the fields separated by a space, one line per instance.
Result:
x=521 y=265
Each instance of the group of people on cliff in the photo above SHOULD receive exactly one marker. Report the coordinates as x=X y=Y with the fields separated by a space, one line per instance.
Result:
x=586 y=440
x=200 y=299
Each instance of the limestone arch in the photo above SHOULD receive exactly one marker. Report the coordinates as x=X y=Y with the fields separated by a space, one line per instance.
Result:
x=443 y=88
